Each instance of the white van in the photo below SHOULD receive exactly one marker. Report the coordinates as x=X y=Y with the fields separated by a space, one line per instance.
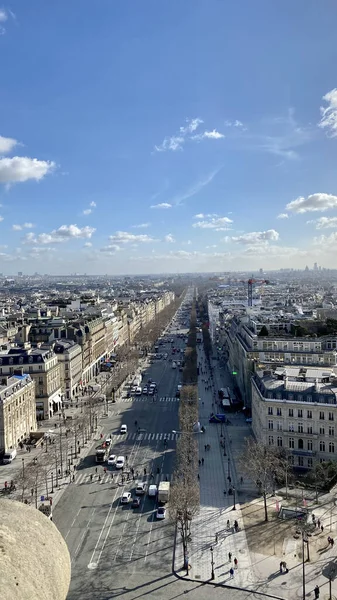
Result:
x=174 y=365
x=9 y=456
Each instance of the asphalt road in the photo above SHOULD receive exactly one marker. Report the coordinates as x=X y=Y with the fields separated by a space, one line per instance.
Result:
x=107 y=541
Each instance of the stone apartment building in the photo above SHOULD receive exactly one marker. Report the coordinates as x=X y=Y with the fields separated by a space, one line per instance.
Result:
x=295 y=407
x=69 y=356
x=245 y=350
x=43 y=367
x=17 y=410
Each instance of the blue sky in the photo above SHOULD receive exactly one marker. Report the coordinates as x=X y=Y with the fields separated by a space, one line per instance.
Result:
x=167 y=136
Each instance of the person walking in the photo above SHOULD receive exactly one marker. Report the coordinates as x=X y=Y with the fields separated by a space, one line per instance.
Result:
x=231 y=572
x=316 y=590
x=229 y=557
x=318 y=523
x=202 y=461
x=322 y=528
x=236 y=563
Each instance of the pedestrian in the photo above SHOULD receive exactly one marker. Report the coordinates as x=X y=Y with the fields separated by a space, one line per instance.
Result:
x=90 y=476
x=322 y=528
x=281 y=567
x=229 y=556
x=112 y=476
x=285 y=567
x=241 y=479
x=228 y=524
x=73 y=477
x=96 y=470
x=318 y=523
x=202 y=461
x=313 y=518
x=199 y=462
x=105 y=470
x=332 y=541
x=316 y=590
x=144 y=471
x=216 y=538
x=99 y=478
x=198 y=477
x=231 y=572
x=205 y=447
x=236 y=563
x=329 y=540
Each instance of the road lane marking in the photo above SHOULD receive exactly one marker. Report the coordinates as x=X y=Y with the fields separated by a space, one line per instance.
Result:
x=73 y=523
x=92 y=563
x=83 y=534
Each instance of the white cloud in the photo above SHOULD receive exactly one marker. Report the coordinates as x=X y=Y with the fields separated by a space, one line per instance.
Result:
x=123 y=237
x=313 y=203
x=23 y=226
x=141 y=226
x=6 y=144
x=265 y=250
x=87 y=211
x=325 y=223
x=161 y=205
x=177 y=141
x=111 y=249
x=329 y=114
x=87 y=245
x=257 y=237
x=3 y=15
x=62 y=234
x=211 y=135
x=169 y=238
x=205 y=216
x=283 y=216
x=235 y=123
x=1 y=218
x=214 y=222
x=328 y=242
x=22 y=168
x=93 y=204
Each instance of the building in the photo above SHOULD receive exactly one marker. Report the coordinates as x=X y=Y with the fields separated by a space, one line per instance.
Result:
x=69 y=356
x=295 y=408
x=17 y=410
x=245 y=349
x=43 y=367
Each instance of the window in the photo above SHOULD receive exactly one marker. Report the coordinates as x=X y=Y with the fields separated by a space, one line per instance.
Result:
x=322 y=430
x=21 y=360
x=279 y=442
x=300 y=461
x=271 y=440
x=291 y=443
x=279 y=426
x=309 y=429
x=331 y=430
x=309 y=445
x=310 y=463
x=30 y=359
x=309 y=398
x=270 y=410
x=299 y=397
x=292 y=459
x=300 y=444
x=300 y=413
x=279 y=412
x=300 y=428
x=322 y=446
x=290 y=396
x=331 y=447
x=331 y=415
x=291 y=427
x=309 y=414
x=270 y=425
x=291 y=412
x=321 y=415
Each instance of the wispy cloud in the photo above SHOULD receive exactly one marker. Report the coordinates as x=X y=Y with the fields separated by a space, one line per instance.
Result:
x=195 y=188
x=23 y=226
x=124 y=237
x=169 y=238
x=283 y=216
x=214 y=222
x=88 y=211
x=324 y=223
x=141 y=226
x=163 y=205
x=186 y=133
x=4 y=14
x=257 y=237
x=329 y=114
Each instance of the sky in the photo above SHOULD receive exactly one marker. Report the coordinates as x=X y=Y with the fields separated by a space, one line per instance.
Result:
x=147 y=136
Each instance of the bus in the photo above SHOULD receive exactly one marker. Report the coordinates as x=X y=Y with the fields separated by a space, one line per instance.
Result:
x=101 y=454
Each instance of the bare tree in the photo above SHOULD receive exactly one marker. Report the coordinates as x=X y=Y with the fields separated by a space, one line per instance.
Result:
x=259 y=462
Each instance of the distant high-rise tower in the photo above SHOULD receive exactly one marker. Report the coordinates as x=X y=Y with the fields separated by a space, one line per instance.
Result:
x=315 y=267
x=261 y=271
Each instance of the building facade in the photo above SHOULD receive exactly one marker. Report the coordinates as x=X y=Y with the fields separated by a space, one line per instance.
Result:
x=17 y=410
x=296 y=408
x=69 y=356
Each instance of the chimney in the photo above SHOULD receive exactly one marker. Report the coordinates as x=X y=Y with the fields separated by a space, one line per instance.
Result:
x=285 y=379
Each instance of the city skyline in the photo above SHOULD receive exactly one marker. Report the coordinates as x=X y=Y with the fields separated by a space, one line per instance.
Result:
x=170 y=138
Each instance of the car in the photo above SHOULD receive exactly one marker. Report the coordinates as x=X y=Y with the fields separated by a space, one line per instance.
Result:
x=120 y=462
x=141 y=488
x=161 y=512
x=135 y=502
x=133 y=389
x=124 y=428
x=249 y=420
x=108 y=442
x=145 y=391
x=112 y=459
x=126 y=498
x=151 y=391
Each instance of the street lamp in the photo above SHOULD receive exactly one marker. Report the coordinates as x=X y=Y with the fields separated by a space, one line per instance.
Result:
x=212 y=563
x=71 y=454
x=234 y=507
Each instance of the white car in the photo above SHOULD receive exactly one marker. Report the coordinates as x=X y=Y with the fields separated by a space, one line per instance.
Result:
x=151 y=392
x=161 y=512
x=120 y=462
x=112 y=459
x=145 y=391
x=108 y=441
x=126 y=498
x=124 y=428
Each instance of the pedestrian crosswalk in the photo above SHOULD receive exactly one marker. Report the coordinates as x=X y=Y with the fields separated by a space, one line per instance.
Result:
x=139 y=436
x=118 y=478
x=149 y=399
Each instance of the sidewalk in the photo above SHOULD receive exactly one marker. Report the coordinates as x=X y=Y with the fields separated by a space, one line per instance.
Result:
x=258 y=565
